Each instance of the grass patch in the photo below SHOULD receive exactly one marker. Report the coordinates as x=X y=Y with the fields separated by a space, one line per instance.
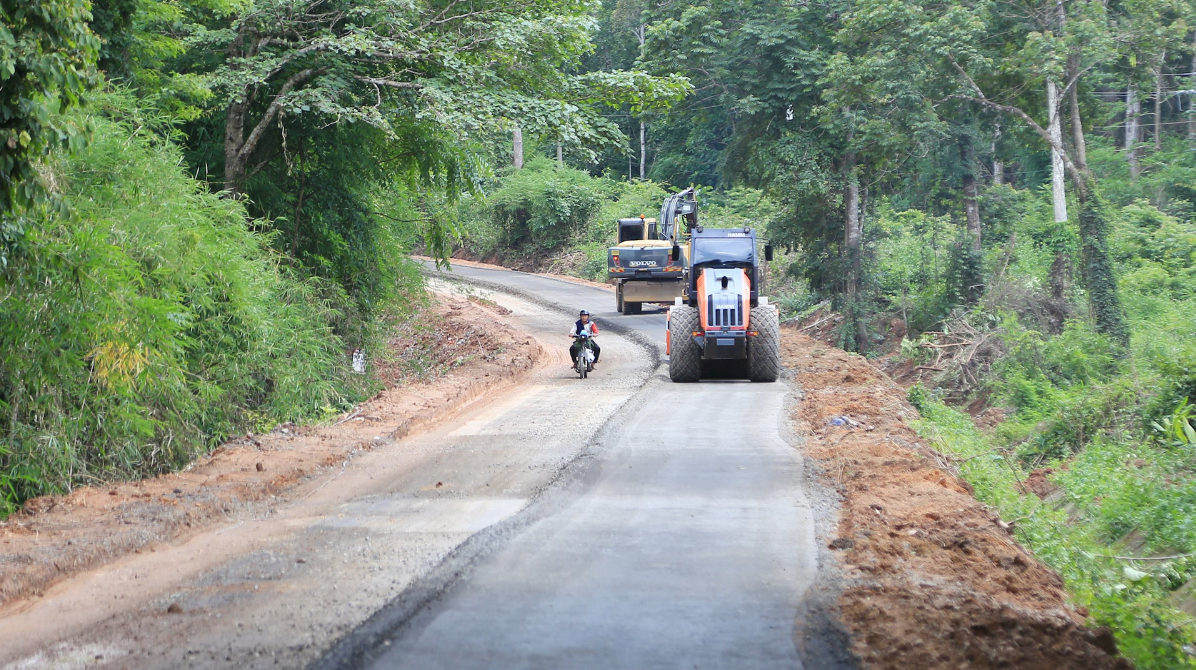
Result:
x=1110 y=490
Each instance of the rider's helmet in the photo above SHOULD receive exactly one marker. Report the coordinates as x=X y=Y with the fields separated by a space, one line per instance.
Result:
x=584 y=313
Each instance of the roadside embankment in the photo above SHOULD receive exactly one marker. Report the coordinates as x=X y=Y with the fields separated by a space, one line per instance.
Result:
x=932 y=577
x=464 y=353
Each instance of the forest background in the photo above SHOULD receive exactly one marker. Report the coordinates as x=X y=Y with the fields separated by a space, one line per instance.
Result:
x=209 y=205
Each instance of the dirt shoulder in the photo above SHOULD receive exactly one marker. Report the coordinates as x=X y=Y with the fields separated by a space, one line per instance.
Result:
x=932 y=577
x=58 y=536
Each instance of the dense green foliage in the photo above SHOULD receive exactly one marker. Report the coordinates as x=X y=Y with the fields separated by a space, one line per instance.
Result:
x=548 y=215
x=542 y=206
x=148 y=324
x=46 y=64
x=1113 y=425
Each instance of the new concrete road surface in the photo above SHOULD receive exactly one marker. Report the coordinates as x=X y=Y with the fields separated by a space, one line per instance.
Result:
x=620 y=521
x=686 y=540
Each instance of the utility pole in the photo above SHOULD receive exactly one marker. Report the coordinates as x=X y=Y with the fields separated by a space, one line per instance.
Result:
x=971 y=198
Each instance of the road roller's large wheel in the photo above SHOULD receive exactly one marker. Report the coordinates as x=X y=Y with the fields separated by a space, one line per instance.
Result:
x=764 y=350
x=619 y=298
x=685 y=357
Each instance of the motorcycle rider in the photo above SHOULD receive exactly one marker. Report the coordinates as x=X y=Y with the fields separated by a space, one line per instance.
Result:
x=584 y=325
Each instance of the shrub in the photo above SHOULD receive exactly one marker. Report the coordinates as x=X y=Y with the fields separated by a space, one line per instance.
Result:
x=149 y=325
x=1150 y=279
x=542 y=205
x=912 y=257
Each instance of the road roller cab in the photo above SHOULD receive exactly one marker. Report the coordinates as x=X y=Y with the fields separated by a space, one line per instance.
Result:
x=723 y=322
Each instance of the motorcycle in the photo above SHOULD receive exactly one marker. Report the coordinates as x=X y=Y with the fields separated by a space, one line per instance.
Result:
x=585 y=356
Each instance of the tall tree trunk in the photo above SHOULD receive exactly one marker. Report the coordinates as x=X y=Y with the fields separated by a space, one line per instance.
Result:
x=1158 y=104
x=643 y=149
x=1097 y=268
x=1073 y=103
x=998 y=164
x=641 y=36
x=1059 y=280
x=630 y=157
x=971 y=204
x=239 y=147
x=1060 y=274
x=1058 y=192
x=517 y=148
x=1133 y=108
x=853 y=235
x=298 y=216
x=234 y=123
x=1061 y=268
x=301 y=156
x=1073 y=93
x=234 y=140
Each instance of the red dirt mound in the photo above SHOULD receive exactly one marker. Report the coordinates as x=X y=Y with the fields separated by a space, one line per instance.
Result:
x=934 y=579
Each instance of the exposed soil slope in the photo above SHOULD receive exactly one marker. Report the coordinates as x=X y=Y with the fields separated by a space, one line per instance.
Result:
x=55 y=537
x=933 y=578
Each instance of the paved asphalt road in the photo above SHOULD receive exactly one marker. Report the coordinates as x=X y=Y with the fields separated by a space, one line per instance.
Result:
x=685 y=540
x=574 y=297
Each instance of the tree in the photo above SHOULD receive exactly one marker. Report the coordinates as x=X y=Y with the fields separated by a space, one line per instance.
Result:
x=628 y=16
x=988 y=54
x=345 y=125
x=47 y=56
x=1145 y=31
x=467 y=65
